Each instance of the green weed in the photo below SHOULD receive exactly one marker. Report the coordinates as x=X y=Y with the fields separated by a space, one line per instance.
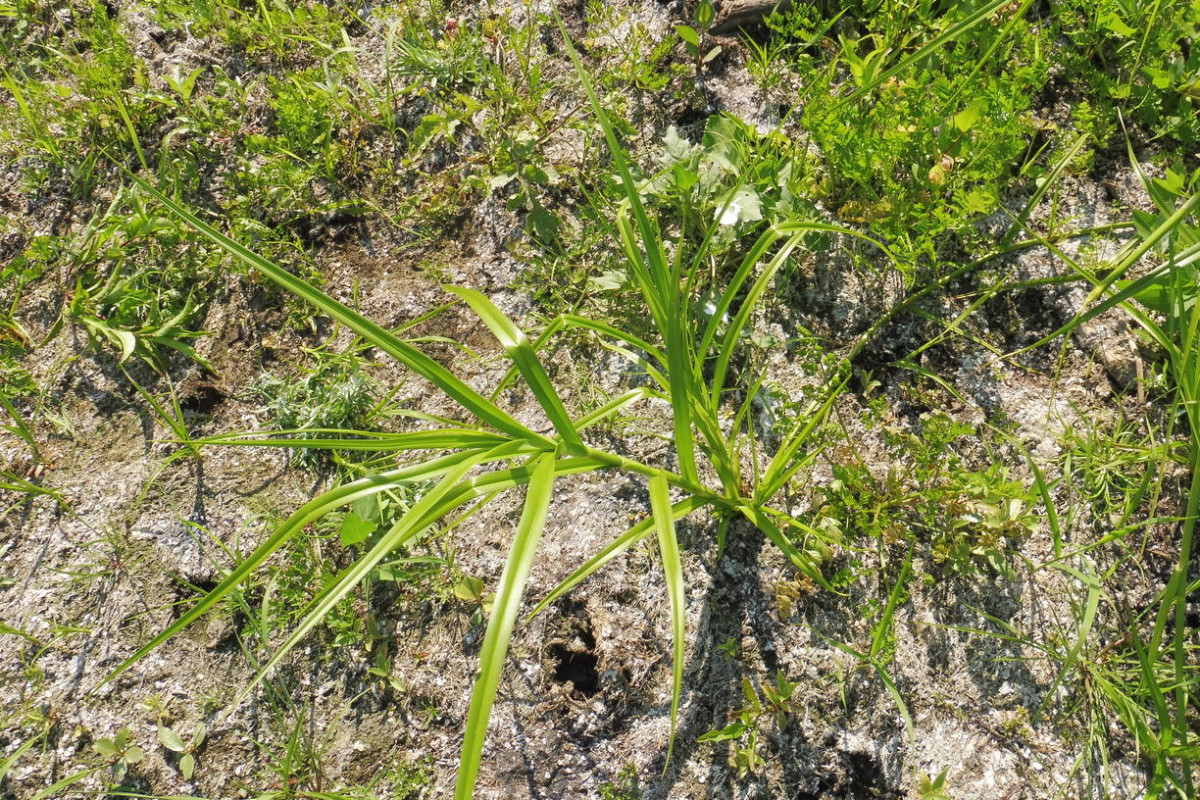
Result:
x=691 y=368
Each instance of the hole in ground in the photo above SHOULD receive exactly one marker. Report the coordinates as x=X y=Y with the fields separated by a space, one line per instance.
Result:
x=577 y=668
x=573 y=655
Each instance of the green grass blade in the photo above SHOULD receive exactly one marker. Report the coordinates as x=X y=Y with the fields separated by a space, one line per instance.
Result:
x=760 y=519
x=504 y=616
x=1128 y=291
x=443 y=439
x=668 y=546
x=1044 y=185
x=784 y=463
x=75 y=777
x=310 y=511
x=575 y=321
x=432 y=505
x=611 y=407
x=25 y=746
x=414 y=359
x=514 y=341
x=615 y=548
x=659 y=285
x=749 y=262
x=1090 y=606
x=733 y=333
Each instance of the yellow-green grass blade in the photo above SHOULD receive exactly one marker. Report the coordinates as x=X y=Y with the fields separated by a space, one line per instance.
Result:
x=15 y=756
x=1044 y=185
x=1090 y=607
x=668 y=546
x=505 y=608
x=647 y=283
x=414 y=359
x=761 y=520
x=795 y=231
x=1127 y=292
x=680 y=376
x=611 y=407
x=733 y=334
x=657 y=264
x=1164 y=229
x=730 y=295
x=576 y=321
x=339 y=439
x=721 y=454
x=309 y=512
x=651 y=371
x=75 y=777
x=519 y=349
x=784 y=463
x=431 y=505
x=615 y=548
x=660 y=287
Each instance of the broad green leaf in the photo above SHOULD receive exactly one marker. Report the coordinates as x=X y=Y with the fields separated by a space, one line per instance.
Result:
x=966 y=119
x=1114 y=23
x=668 y=546
x=612 y=280
x=506 y=606
x=355 y=529
x=126 y=341
x=676 y=148
x=689 y=35
x=106 y=748
x=732 y=731
x=744 y=206
x=187 y=766
x=469 y=588
x=170 y=739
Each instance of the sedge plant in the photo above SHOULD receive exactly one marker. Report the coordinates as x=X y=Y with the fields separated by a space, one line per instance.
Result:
x=691 y=363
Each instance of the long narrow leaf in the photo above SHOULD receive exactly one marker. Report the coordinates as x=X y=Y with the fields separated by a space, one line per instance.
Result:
x=514 y=341
x=443 y=439
x=615 y=548
x=414 y=359
x=668 y=546
x=980 y=15
x=410 y=524
x=310 y=511
x=759 y=518
x=576 y=321
x=660 y=287
x=1090 y=606
x=504 y=616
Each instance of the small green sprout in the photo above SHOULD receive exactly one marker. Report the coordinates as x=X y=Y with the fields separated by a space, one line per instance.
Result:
x=121 y=753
